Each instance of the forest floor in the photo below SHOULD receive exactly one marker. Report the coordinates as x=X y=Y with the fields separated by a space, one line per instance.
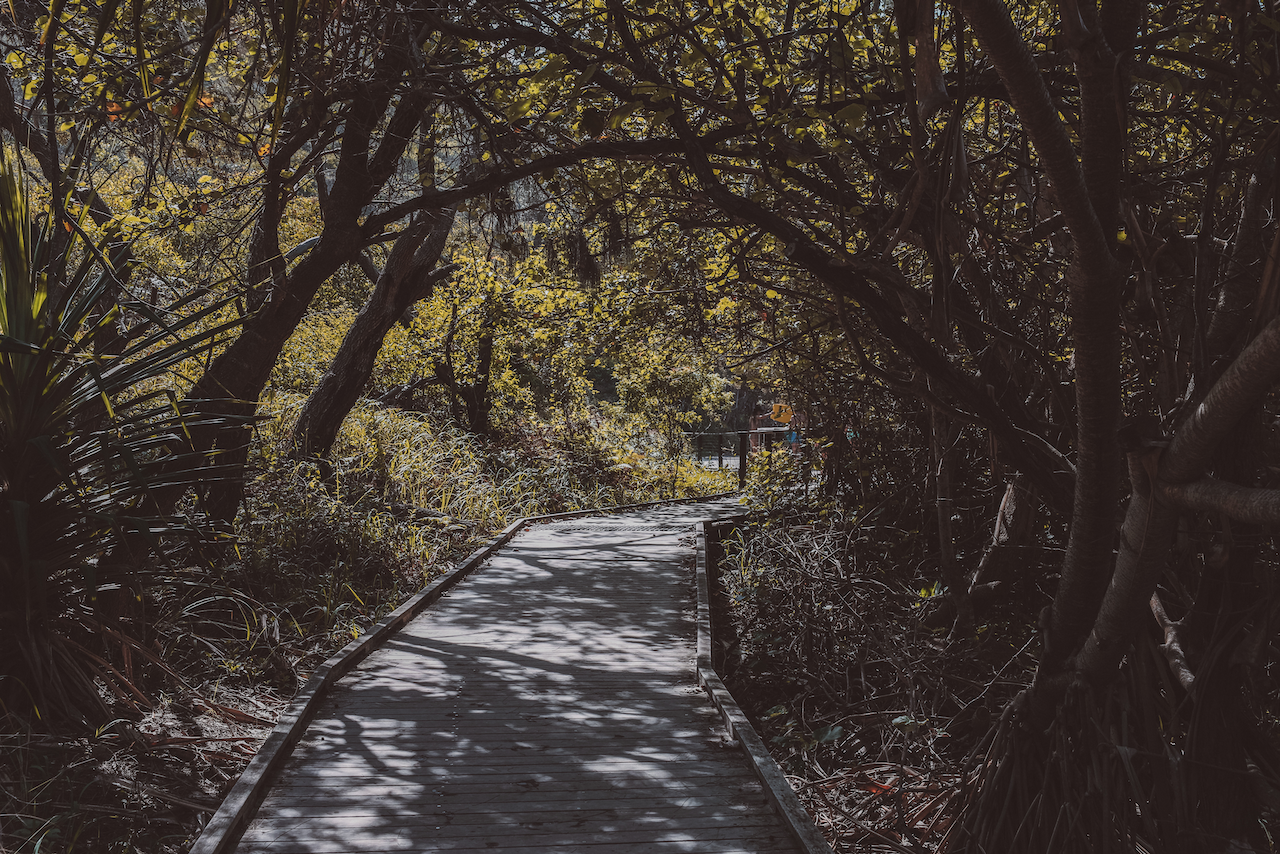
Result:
x=890 y=775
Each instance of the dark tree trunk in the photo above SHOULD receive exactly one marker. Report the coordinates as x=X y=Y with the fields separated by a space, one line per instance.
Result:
x=410 y=275
x=238 y=375
x=476 y=394
x=470 y=401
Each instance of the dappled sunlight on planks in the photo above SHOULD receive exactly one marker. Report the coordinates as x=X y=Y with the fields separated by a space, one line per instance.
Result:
x=547 y=704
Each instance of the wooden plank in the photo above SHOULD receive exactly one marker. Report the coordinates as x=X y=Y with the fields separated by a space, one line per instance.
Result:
x=522 y=739
x=566 y=751
x=544 y=730
x=656 y=802
x=580 y=826
x=532 y=771
x=309 y=837
x=547 y=705
x=771 y=845
x=371 y=788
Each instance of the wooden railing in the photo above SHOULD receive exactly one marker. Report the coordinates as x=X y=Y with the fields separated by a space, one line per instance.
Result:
x=730 y=450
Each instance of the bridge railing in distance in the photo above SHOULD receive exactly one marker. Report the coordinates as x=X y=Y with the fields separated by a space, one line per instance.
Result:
x=730 y=450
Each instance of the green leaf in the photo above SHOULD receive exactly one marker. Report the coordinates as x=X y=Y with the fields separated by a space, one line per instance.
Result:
x=551 y=69
x=519 y=109
x=618 y=116
x=592 y=122
x=853 y=116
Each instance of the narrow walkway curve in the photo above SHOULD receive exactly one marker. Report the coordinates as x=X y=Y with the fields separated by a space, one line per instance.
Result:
x=546 y=704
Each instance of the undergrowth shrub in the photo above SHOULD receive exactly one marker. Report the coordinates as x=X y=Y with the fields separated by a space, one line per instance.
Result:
x=780 y=480
x=423 y=460
x=649 y=458
x=856 y=694
x=299 y=540
x=830 y=605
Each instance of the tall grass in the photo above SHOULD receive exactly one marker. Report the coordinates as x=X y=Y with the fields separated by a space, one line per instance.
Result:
x=391 y=456
x=326 y=547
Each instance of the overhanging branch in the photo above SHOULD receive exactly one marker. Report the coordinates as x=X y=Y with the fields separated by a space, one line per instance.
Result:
x=1241 y=503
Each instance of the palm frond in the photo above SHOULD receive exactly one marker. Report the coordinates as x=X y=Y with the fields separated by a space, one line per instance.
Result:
x=85 y=437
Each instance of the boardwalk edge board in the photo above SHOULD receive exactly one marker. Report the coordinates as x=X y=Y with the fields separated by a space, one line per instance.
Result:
x=222 y=833
x=797 y=819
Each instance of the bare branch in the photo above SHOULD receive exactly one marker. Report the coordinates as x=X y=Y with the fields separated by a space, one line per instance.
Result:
x=1027 y=91
x=1172 y=645
x=1241 y=503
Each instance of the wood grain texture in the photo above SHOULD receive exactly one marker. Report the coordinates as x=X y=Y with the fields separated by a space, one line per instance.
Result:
x=548 y=704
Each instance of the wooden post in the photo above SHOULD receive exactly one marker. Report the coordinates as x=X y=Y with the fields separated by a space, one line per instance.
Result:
x=744 y=445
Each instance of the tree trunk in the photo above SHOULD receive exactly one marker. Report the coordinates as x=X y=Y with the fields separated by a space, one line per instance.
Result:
x=470 y=402
x=940 y=436
x=238 y=375
x=410 y=275
x=476 y=394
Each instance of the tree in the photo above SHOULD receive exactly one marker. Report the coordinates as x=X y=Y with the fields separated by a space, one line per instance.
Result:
x=670 y=389
x=409 y=276
x=874 y=158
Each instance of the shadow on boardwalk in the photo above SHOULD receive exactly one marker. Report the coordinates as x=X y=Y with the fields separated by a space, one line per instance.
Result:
x=546 y=704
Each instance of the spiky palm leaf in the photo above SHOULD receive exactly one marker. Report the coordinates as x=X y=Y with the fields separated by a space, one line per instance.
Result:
x=84 y=438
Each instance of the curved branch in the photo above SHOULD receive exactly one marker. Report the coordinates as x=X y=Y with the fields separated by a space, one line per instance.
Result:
x=1150 y=521
x=852 y=278
x=1030 y=97
x=1241 y=503
x=434 y=199
x=1238 y=390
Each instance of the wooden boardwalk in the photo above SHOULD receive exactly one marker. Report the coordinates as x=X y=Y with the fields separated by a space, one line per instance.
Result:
x=546 y=704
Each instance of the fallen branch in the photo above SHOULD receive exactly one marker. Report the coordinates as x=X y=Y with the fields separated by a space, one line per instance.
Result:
x=159 y=794
x=225 y=712
x=1172 y=645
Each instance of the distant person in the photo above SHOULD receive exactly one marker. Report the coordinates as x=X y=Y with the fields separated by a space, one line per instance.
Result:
x=798 y=422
